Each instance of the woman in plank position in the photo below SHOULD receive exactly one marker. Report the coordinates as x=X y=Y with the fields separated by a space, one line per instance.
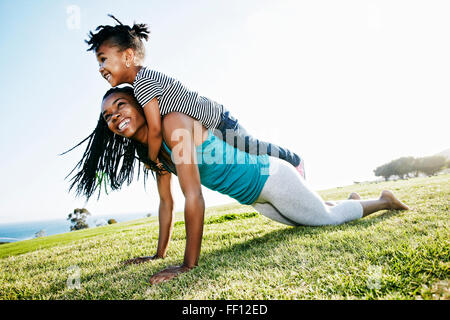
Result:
x=272 y=186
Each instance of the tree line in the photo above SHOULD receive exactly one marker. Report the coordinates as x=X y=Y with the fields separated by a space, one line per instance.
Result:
x=79 y=219
x=405 y=167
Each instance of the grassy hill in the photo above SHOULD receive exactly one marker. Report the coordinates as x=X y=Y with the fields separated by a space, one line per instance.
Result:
x=389 y=255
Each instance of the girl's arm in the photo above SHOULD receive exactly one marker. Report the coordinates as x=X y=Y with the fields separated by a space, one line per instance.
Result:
x=153 y=117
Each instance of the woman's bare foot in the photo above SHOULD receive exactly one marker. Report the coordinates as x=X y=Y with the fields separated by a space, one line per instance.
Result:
x=354 y=196
x=392 y=202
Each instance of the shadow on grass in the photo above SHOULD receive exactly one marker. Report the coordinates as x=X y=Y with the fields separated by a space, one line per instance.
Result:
x=122 y=282
x=216 y=263
x=118 y=281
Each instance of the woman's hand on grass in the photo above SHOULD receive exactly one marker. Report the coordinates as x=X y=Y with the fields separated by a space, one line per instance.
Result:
x=168 y=274
x=139 y=260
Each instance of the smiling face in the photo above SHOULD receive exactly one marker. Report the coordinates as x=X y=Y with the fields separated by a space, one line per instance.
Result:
x=124 y=116
x=113 y=63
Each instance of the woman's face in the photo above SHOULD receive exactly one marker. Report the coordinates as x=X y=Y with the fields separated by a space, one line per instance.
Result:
x=124 y=116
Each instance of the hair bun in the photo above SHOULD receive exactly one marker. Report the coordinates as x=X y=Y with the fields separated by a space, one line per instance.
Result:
x=140 y=30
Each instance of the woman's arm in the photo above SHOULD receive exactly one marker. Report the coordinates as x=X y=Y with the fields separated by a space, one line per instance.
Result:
x=189 y=178
x=165 y=219
x=165 y=212
x=194 y=210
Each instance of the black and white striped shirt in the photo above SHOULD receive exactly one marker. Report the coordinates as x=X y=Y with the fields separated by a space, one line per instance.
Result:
x=173 y=96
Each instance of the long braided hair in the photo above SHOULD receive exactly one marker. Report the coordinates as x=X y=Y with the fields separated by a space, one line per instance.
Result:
x=111 y=157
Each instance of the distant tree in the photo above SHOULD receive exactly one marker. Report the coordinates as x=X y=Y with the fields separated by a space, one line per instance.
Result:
x=385 y=171
x=431 y=165
x=40 y=233
x=416 y=166
x=78 y=219
x=112 y=221
x=403 y=166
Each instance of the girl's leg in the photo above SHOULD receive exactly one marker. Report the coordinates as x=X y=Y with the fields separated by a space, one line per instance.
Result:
x=249 y=144
x=236 y=135
x=291 y=196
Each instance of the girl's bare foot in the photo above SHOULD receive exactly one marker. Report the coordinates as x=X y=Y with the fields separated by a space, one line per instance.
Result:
x=354 y=196
x=392 y=202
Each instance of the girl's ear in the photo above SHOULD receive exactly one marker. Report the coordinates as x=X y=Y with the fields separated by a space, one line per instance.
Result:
x=129 y=57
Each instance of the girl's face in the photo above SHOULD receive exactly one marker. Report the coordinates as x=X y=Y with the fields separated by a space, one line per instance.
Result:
x=112 y=63
x=123 y=116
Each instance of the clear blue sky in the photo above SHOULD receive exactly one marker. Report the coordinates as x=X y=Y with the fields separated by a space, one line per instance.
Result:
x=349 y=85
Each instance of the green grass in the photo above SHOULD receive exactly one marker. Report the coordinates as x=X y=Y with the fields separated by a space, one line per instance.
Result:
x=388 y=255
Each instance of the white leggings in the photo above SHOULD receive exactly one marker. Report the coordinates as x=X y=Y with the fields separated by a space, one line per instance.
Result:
x=286 y=198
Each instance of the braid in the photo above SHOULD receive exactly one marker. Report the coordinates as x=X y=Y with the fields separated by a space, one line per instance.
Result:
x=112 y=156
x=117 y=20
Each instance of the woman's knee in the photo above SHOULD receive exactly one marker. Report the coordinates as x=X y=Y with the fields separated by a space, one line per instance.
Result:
x=267 y=210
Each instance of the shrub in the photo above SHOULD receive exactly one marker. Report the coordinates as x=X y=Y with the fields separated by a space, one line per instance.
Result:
x=40 y=233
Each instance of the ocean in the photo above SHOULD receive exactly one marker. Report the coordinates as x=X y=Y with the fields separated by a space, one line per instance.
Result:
x=17 y=231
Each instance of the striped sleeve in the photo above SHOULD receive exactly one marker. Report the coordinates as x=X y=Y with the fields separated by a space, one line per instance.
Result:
x=145 y=89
